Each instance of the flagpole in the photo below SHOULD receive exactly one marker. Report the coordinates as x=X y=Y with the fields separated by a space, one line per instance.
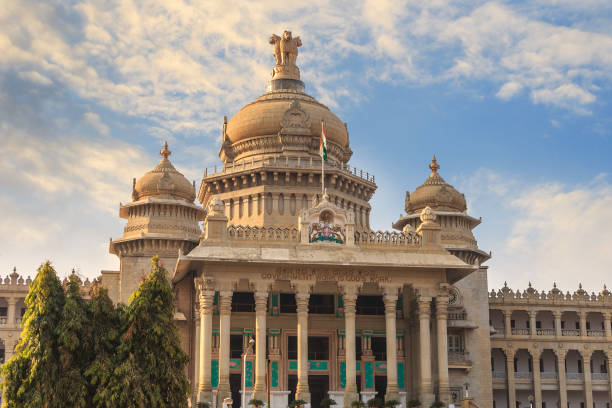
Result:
x=322 y=169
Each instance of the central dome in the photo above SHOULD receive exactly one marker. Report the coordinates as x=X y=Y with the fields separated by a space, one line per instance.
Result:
x=264 y=117
x=285 y=121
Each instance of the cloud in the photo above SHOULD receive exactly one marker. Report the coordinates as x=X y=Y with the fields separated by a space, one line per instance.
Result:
x=96 y=123
x=509 y=89
x=550 y=231
x=563 y=95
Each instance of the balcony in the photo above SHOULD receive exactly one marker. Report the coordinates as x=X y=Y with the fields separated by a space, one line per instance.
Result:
x=499 y=375
x=570 y=332
x=498 y=331
x=549 y=375
x=523 y=375
x=575 y=376
x=599 y=376
x=459 y=360
x=457 y=315
x=520 y=332
x=545 y=332
x=596 y=333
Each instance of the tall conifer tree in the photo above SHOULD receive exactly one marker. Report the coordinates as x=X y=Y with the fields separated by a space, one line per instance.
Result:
x=32 y=377
x=150 y=370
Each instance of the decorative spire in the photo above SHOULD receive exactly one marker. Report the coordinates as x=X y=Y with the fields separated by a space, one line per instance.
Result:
x=529 y=283
x=165 y=152
x=434 y=166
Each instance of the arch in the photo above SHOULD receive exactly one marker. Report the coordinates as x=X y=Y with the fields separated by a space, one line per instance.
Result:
x=519 y=322
x=281 y=204
x=496 y=320
x=595 y=324
x=545 y=323
x=574 y=365
x=570 y=323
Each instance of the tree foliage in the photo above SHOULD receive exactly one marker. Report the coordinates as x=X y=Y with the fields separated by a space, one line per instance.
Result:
x=78 y=353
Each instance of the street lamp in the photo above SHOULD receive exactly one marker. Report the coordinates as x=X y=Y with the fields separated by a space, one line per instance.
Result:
x=246 y=352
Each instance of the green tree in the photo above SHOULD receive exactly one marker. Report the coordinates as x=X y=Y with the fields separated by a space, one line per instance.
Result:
x=102 y=341
x=150 y=365
x=33 y=376
x=73 y=351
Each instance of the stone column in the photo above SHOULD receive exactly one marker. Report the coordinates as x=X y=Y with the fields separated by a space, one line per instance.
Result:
x=261 y=301
x=557 y=315
x=302 y=295
x=532 y=323
x=510 y=375
x=537 y=382
x=588 y=384
x=562 y=377
x=608 y=329
x=225 y=310
x=583 y=328
x=441 y=324
x=350 y=303
x=390 y=299
x=206 y=314
x=508 y=325
x=12 y=302
x=426 y=387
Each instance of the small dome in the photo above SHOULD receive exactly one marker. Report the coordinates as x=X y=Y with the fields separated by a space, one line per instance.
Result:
x=435 y=193
x=264 y=115
x=164 y=181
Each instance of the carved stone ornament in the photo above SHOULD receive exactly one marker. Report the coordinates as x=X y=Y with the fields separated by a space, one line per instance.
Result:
x=427 y=215
x=295 y=120
x=326 y=222
x=285 y=55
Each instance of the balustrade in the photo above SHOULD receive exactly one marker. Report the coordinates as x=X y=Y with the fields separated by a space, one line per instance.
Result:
x=3 y=320
x=549 y=375
x=499 y=375
x=570 y=332
x=457 y=315
x=458 y=356
x=596 y=333
x=574 y=376
x=599 y=376
x=523 y=375
x=545 y=332
x=520 y=332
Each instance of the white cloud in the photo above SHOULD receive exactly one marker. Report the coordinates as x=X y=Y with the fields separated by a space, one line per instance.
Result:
x=550 y=232
x=35 y=77
x=509 y=89
x=563 y=95
x=94 y=120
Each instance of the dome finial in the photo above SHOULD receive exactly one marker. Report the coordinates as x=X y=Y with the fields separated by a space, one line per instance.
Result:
x=434 y=166
x=165 y=152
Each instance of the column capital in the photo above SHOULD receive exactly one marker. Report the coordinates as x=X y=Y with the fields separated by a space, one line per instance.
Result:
x=509 y=352
x=225 y=302
x=507 y=313
x=560 y=352
x=424 y=307
x=12 y=301
x=442 y=307
x=557 y=314
x=261 y=301
x=532 y=314
x=586 y=354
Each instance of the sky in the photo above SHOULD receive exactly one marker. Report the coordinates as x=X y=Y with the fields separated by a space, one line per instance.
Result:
x=513 y=97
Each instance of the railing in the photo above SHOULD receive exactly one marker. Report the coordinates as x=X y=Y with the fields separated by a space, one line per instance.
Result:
x=387 y=238
x=599 y=376
x=521 y=332
x=549 y=375
x=457 y=315
x=318 y=355
x=370 y=310
x=596 y=333
x=523 y=375
x=458 y=356
x=248 y=233
x=288 y=163
x=499 y=375
x=499 y=331
x=545 y=332
x=570 y=332
x=574 y=376
x=3 y=320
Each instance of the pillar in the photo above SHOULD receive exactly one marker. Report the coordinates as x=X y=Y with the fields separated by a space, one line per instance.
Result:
x=350 y=303
x=441 y=324
x=426 y=388
x=225 y=310
x=261 y=301
x=206 y=313
x=532 y=323
x=508 y=325
x=557 y=315
x=588 y=384
x=12 y=302
x=607 y=327
x=583 y=328
x=302 y=295
x=537 y=382
x=510 y=375
x=390 y=299
x=562 y=377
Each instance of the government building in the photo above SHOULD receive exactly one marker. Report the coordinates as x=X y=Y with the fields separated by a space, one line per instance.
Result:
x=284 y=291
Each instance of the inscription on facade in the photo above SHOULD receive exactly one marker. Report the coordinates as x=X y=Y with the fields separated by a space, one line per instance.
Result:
x=313 y=274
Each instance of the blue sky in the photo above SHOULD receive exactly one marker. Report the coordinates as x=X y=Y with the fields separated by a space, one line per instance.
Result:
x=514 y=98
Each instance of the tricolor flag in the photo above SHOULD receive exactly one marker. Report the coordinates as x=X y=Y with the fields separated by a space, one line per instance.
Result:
x=323 y=144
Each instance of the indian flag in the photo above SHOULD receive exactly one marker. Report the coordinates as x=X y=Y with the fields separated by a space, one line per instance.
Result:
x=323 y=144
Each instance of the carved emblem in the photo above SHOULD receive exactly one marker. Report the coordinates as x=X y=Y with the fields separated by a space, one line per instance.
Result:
x=285 y=55
x=295 y=118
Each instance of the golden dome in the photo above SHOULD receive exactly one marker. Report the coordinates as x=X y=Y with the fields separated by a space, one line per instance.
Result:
x=164 y=181
x=435 y=193
x=264 y=115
